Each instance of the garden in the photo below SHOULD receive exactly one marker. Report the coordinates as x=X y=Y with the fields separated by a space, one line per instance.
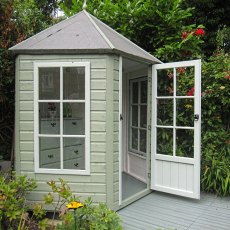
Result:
x=171 y=31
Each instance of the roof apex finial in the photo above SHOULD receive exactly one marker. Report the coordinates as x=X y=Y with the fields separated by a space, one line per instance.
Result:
x=84 y=5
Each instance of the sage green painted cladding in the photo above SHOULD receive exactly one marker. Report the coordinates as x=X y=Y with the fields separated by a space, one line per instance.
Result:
x=116 y=133
x=101 y=184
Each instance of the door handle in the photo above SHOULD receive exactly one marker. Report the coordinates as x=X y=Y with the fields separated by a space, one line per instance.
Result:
x=196 y=117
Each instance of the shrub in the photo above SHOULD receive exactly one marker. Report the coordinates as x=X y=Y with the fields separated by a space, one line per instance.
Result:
x=87 y=217
x=14 y=212
x=13 y=190
x=215 y=170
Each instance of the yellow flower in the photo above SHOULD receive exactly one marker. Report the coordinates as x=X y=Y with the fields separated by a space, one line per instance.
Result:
x=188 y=106
x=222 y=87
x=2 y=197
x=74 y=205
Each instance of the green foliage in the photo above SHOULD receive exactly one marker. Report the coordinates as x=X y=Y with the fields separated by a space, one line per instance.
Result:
x=156 y=26
x=88 y=217
x=223 y=39
x=215 y=173
x=28 y=18
x=91 y=217
x=19 y=19
x=14 y=207
x=64 y=196
x=9 y=34
x=13 y=190
x=214 y=15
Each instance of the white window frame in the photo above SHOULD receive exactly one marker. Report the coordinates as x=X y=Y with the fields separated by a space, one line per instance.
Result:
x=138 y=152
x=37 y=65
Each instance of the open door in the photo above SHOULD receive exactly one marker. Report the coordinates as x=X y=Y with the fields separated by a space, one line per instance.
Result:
x=176 y=128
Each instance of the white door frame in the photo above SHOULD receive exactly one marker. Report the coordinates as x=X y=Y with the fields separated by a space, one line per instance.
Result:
x=171 y=167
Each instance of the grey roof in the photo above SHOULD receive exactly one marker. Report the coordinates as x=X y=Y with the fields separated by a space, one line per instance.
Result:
x=81 y=33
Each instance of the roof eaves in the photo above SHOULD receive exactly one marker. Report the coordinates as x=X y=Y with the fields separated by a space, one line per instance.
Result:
x=137 y=57
x=63 y=51
x=99 y=30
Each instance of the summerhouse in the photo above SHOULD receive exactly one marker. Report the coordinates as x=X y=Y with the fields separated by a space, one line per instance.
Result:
x=98 y=111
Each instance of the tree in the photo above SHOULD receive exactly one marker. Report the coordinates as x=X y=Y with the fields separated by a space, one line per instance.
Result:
x=150 y=24
x=10 y=35
x=18 y=20
x=214 y=15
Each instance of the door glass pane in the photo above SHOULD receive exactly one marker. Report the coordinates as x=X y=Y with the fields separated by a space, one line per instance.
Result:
x=49 y=83
x=74 y=118
x=165 y=111
x=134 y=93
x=143 y=116
x=73 y=83
x=185 y=81
x=143 y=140
x=49 y=118
x=165 y=141
x=144 y=92
x=165 y=82
x=134 y=138
x=49 y=154
x=185 y=143
x=74 y=153
x=185 y=112
x=134 y=115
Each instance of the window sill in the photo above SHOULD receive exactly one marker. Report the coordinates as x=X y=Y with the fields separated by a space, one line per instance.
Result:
x=63 y=171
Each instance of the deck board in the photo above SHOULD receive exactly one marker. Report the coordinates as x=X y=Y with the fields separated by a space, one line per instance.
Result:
x=163 y=211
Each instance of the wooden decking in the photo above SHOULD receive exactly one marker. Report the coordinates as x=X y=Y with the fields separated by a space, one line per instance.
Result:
x=164 y=211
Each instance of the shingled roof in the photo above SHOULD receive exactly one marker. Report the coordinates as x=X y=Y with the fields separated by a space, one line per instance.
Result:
x=81 y=33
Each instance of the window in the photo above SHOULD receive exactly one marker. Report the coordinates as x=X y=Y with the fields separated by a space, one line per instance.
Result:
x=62 y=117
x=138 y=116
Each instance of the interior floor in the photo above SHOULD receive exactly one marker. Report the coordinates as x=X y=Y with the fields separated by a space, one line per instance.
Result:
x=131 y=186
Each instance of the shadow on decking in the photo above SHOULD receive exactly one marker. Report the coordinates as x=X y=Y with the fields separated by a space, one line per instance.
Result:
x=163 y=211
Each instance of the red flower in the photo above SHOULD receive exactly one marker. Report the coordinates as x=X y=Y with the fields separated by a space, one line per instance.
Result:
x=184 y=35
x=227 y=77
x=181 y=70
x=191 y=92
x=199 y=32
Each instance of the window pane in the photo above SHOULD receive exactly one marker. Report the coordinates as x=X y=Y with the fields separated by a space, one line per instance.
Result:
x=144 y=91
x=49 y=83
x=164 y=141
x=73 y=83
x=164 y=111
x=74 y=118
x=185 y=143
x=185 y=112
x=165 y=82
x=49 y=154
x=185 y=81
x=143 y=116
x=74 y=153
x=49 y=118
x=134 y=138
x=134 y=115
x=134 y=92
x=143 y=140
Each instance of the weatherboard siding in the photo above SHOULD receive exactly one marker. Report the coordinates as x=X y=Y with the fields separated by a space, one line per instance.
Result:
x=116 y=133
x=94 y=185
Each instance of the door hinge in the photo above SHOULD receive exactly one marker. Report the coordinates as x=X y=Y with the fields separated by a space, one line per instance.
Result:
x=149 y=175
x=149 y=127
